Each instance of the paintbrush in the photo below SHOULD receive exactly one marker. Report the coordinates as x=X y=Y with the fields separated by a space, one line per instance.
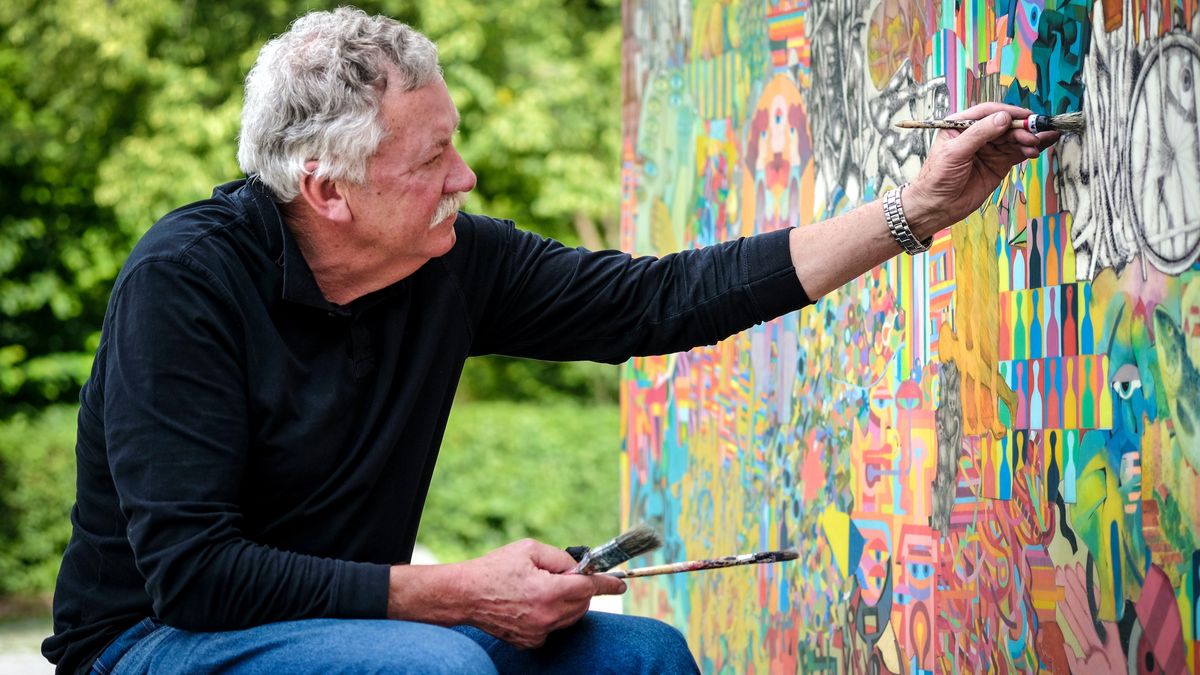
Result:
x=641 y=539
x=1070 y=123
x=709 y=564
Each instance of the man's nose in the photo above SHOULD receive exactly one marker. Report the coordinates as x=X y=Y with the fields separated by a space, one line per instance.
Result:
x=461 y=177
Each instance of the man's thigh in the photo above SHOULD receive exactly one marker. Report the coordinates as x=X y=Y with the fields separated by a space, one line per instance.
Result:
x=598 y=643
x=323 y=646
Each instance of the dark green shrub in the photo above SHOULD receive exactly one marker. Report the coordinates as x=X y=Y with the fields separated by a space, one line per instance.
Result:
x=37 y=489
x=508 y=471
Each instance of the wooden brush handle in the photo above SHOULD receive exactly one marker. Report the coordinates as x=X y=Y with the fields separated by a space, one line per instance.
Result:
x=710 y=564
x=1032 y=123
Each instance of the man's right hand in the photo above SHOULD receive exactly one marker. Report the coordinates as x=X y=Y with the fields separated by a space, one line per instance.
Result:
x=516 y=593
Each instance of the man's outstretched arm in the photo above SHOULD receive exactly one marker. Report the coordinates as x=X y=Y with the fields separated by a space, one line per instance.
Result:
x=533 y=297
x=962 y=169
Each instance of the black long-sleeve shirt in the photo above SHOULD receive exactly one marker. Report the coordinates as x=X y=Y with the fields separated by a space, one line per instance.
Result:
x=249 y=452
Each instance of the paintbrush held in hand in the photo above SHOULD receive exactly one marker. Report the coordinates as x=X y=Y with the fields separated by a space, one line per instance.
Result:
x=710 y=564
x=1068 y=123
x=635 y=542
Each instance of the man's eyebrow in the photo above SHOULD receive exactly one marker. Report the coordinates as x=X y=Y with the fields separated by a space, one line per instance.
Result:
x=443 y=141
x=439 y=143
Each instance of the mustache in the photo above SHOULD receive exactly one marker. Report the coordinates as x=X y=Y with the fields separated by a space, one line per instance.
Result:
x=448 y=206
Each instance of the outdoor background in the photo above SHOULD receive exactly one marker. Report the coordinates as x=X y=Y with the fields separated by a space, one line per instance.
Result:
x=113 y=113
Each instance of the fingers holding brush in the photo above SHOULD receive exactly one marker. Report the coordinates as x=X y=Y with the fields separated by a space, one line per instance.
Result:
x=988 y=108
x=520 y=594
x=1017 y=119
x=968 y=159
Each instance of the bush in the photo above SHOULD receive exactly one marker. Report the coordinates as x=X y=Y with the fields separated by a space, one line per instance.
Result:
x=509 y=470
x=37 y=489
x=506 y=471
x=503 y=378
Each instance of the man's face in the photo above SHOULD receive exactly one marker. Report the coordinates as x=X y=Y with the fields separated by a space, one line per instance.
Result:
x=415 y=181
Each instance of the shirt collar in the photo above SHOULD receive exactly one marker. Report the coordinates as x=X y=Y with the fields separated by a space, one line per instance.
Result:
x=299 y=284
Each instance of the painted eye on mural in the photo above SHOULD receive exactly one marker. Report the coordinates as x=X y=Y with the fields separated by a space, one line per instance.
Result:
x=1126 y=381
x=1126 y=389
x=920 y=571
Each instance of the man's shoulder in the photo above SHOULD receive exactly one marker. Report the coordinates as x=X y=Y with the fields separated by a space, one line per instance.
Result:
x=178 y=233
x=232 y=224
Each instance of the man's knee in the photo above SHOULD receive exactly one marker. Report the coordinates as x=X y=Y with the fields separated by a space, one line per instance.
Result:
x=646 y=645
x=437 y=650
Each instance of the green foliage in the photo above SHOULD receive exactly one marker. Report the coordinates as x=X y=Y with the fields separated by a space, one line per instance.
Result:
x=37 y=480
x=508 y=471
x=500 y=378
x=117 y=111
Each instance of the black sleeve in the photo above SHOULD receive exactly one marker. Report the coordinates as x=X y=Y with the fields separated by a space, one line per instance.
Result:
x=540 y=299
x=176 y=430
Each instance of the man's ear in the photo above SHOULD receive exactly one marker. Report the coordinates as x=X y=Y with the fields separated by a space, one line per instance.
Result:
x=326 y=197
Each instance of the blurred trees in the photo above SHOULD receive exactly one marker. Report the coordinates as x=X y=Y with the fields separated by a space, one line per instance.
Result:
x=112 y=113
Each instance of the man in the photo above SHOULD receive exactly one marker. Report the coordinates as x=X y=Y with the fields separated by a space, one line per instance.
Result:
x=278 y=362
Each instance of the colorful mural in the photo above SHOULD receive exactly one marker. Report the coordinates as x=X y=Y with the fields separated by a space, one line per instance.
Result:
x=988 y=455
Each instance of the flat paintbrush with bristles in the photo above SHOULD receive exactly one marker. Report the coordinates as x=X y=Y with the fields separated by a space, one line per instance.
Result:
x=1068 y=123
x=635 y=542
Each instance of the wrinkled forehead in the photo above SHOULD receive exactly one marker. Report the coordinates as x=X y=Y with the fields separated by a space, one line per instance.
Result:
x=423 y=115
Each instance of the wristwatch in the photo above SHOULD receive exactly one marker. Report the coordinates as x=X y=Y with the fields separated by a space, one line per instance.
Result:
x=893 y=212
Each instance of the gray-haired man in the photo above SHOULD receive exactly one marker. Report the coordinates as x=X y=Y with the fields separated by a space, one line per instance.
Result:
x=278 y=362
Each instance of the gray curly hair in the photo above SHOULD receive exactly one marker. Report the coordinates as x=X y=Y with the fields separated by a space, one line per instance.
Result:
x=314 y=93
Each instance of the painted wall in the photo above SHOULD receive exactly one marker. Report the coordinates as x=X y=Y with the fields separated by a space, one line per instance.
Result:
x=986 y=455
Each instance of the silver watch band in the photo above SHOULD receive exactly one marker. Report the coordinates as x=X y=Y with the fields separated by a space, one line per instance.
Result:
x=893 y=213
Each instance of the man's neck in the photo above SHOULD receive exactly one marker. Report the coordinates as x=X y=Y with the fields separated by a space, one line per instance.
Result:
x=343 y=271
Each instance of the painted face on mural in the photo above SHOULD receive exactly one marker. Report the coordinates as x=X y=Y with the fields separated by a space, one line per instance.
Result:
x=776 y=156
x=874 y=567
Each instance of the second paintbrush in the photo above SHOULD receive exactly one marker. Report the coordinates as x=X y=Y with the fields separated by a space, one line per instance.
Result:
x=709 y=564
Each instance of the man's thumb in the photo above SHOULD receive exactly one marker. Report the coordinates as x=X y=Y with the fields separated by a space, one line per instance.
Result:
x=985 y=130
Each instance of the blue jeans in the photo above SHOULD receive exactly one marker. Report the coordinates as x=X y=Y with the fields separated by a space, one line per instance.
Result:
x=598 y=643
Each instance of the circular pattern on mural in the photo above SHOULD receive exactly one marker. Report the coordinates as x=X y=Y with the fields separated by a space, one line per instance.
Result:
x=1164 y=154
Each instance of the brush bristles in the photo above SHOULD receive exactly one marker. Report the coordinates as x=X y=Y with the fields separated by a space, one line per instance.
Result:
x=641 y=539
x=1069 y=123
